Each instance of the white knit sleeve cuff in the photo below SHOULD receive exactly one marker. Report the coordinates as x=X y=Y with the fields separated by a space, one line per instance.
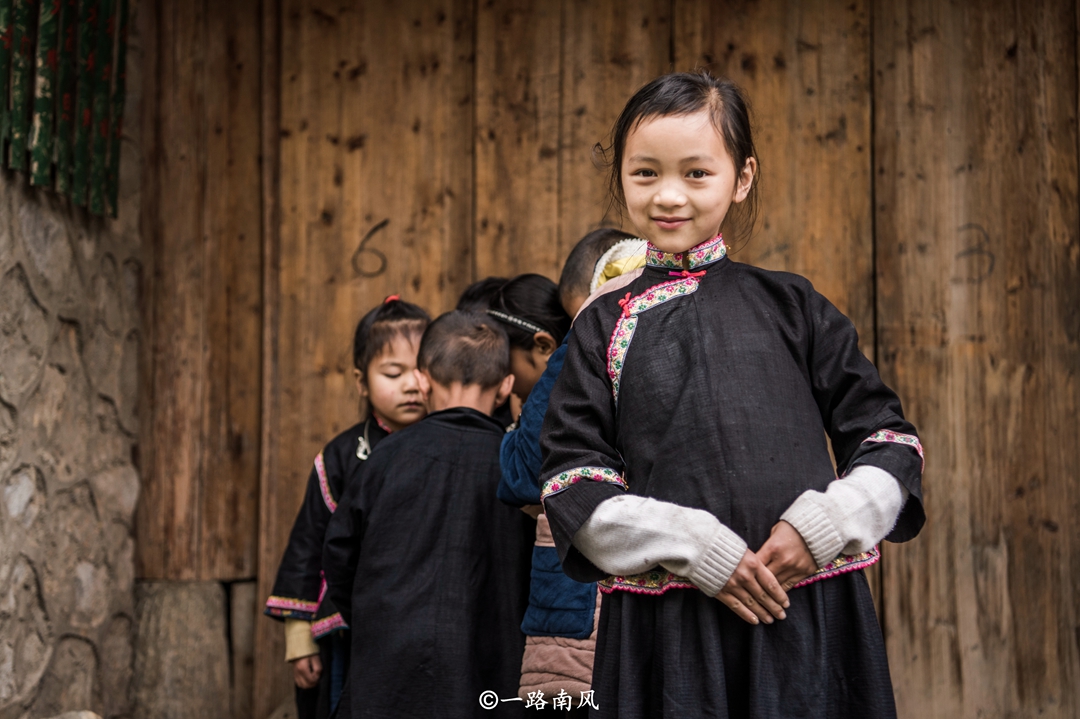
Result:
x=718 y=561
x=811 y=521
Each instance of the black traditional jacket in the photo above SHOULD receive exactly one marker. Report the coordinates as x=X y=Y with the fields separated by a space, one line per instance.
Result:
x=713 y=384
x=299 y=589
x=431 y=571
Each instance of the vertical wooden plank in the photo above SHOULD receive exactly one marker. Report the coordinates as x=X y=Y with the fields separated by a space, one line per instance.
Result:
x=22 y=90
x=65 y=111
x=41 y=137
x=99 y=126
x=7 y=37
x=168 y=513
x=979 y=289
x=149 y=529
x=271 y=676
x=84 y=98
x=230 y=406
x=518 y=52
x=199 y=512
x=610 y=49
x=116 y=116
x=376 y=124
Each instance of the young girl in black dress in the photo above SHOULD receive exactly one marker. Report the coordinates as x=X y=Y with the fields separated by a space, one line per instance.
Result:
x=686 y=464
x=317 y=645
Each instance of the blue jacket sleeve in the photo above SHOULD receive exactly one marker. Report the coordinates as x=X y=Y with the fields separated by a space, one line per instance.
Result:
x=520 y=454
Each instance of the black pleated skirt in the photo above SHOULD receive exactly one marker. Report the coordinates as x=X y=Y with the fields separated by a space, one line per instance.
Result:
x=683 y=654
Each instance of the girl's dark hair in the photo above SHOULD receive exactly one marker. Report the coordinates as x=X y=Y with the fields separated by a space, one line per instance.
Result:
x=477 y=296
x=684 y=93
x=534 y=299
x=378 y=328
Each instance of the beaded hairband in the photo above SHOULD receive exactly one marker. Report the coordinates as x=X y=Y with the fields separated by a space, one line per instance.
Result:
x=517 y=321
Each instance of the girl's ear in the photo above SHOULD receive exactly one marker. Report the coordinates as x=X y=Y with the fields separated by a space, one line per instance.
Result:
x=745 y=180
x=361 y=385
x=545 y=343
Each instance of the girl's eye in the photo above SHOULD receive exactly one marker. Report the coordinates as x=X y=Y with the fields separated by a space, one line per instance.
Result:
x=698 y=174
x=391 y=376
x=644 y=173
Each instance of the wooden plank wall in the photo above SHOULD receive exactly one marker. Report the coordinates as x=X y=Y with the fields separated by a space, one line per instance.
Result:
x=979 y=315
x=919 y=165
x=202 y=321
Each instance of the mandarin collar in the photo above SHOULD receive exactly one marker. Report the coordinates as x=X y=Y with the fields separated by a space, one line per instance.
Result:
x=706 y=253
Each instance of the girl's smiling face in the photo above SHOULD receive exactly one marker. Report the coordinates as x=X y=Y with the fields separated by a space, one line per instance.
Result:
x=679 y=180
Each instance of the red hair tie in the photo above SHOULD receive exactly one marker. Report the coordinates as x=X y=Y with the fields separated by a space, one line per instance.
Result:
x=391 y=298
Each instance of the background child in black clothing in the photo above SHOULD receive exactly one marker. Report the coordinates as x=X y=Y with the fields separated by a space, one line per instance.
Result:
x=428 y=567
x=316 y=638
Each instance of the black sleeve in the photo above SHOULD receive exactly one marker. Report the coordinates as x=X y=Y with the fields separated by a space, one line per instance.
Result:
x=298 y=584
x=862 y=415
x=341 y=549
x=581 y=466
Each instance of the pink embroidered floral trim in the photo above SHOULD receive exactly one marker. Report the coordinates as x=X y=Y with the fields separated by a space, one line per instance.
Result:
x=617 y=348
x=327 y=625
x=324 y=483
x=653 y=583
x=627 y=322
x=708 y=251
x=289 y=608
x=657 y=582
x=886 y=435
x=571 y=477
x=842 y=565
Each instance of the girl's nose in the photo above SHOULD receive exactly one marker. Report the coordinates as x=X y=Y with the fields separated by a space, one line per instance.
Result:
x=410 y=382
x=669 y=196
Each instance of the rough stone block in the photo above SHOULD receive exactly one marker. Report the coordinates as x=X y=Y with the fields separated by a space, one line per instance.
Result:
x=181 y=651
x=24 y=333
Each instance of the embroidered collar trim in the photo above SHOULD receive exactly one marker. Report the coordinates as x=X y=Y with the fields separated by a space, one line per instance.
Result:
x=706 y=253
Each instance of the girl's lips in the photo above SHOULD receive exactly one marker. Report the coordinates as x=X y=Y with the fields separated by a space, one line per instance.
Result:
x=670 y=223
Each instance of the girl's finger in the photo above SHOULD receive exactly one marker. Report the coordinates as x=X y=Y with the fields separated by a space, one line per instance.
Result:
x=772 y=585
x=754 y=606
x=764 y=599
x=736 y=606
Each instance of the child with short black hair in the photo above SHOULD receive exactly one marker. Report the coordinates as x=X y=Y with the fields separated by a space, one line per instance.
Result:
x=427 y=566
x=385 y=344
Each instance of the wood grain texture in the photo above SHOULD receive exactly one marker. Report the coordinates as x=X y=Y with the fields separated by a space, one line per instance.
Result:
x=610 y=49
x=269 y=675
x=979 y=290
x=228 y=512
x=376 y=193
x=167 y=516
x=197 y=516
x=518 y=106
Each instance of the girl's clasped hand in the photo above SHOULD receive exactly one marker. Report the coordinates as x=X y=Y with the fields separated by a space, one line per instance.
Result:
x=757 y=589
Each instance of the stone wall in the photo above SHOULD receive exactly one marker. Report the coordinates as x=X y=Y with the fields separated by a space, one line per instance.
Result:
x=69 y=336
